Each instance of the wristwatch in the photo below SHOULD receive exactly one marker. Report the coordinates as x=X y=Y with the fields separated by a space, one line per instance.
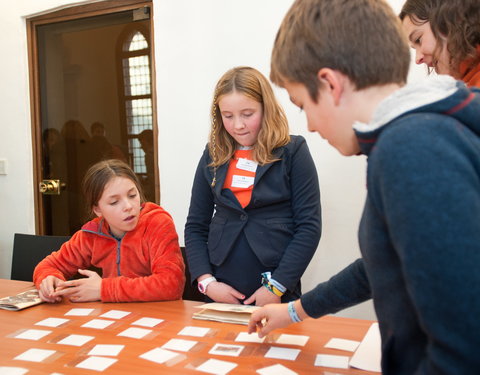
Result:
x=202 y=285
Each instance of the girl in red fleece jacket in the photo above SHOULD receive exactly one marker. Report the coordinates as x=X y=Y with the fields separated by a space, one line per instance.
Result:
x=134 y=244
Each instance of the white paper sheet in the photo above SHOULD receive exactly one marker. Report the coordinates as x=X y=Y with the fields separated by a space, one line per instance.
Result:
x=96 y=363
x=335 y=361
x=115 y=314
x=79 y=312
x=33 y=334
x=35 y=355
x=368 y=356
x=52 y=322
x=214 y=366
x=98 y=323
x=104 y=349
x=342 y=344
x=292 y=339
x=147 y=322
x=75 y=340
x=6 y=370
x=276 y=370
x=179 y=344
x=135 y=333
x=249 y=337
x=282 y=353
x=226 y=349
x=159 y=355
x=194 y=331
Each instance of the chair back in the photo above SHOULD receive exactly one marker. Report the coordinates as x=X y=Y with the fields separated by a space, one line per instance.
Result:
x=190 y=292
x=29 y=250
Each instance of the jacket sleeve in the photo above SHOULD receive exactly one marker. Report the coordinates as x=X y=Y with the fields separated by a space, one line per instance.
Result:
x=198 y=223
x=167 y=277
x=305 y=202
x=64 y=263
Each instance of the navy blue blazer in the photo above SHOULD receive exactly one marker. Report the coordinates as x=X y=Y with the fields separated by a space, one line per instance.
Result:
x=282 y=222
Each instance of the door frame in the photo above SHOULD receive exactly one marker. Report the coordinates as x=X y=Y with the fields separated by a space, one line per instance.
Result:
x=67 y=14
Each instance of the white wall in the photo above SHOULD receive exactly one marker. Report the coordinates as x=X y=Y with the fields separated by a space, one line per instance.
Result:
x=195 y=43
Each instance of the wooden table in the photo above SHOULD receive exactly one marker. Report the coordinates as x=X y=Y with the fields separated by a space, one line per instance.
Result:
x=176 y=315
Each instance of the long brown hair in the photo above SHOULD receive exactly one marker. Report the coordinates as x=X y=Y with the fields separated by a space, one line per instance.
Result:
x=274 y=130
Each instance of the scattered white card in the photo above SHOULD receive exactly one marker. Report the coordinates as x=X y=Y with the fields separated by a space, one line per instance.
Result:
x=226 y=349
x=98 y=323
x=33 y=334
x=35 y=355
x=336 y=361
x=115 y=314
x=282 y=353
x=214 y=366
x=147 y=322
x=249 y=337
x=75 y=340
x=135 y=333
x=103 y=349
x=276 y=370
x=194 y=331
x=159 y=355
x=5 y=370
x=368 y=356
x=52 y=322
x=79 y=312
x=179 y=344
x=292 y=339
x=342 y=344
x=96 y=363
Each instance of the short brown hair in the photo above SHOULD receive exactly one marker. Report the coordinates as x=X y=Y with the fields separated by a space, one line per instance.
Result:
x=362 y=39
x=98 y=176
x=274 y=131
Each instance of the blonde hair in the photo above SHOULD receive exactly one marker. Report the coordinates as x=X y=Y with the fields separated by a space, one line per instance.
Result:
x=274 y=130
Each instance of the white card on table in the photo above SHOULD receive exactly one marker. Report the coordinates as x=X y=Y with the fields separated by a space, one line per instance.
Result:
x=52 y=322
x=282 y=353
x=147 y=322
x=328 y=360
x=98 y=323
x=249 y=337
x=115 y=314
x=96 y=363
x=33 y=334
x=242 y=181
x=75 y=340
x=342 y=344
x=159 y=355
x=104 y=349
x=135 y=333
x=79 y=312
x=35 y=355
x=226 y=349
x=194 y=331
x=276 y=370
x=179 y=344
x=368 y=356
x=6 y=370
x=214 y=366
x=247 y=165
x=292 y=339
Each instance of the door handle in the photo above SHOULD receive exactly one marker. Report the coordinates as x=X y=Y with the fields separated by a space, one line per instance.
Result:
x=51 y=187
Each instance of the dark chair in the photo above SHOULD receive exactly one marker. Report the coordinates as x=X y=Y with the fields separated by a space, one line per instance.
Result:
x=29 y=250
x=190 y=292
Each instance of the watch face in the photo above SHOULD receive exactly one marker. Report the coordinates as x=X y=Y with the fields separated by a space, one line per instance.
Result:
x=201 y=288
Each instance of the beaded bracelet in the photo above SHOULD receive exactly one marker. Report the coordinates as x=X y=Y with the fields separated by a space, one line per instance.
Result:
x=293 y=312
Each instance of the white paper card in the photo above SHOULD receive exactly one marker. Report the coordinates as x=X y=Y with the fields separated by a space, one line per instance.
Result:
x=52 y=322
x=194 y=331
x=342 y=344
x=214 y=366
x=103 y=349
x=135 y=333
x=328 y=360
x=276 y=370
x=249 y=337
x=33 y=334
x=226 y=349
x=179 y=344
x=98 y=323
x=35 y=355
x=75 y=340
x=79 y=312
x=5 y=370
x=282 y=353
x=115 y=314
x=147 y=322
x=247 y=165
x=292 y=339
x=369 y=353
x=242 y=181
x=96 y=363
x=159 y=355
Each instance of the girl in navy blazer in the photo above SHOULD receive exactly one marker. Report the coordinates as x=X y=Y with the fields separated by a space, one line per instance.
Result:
x=254 y=221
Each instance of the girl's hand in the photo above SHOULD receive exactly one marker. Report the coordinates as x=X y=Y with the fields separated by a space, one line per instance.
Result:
x=261 y=297
x=81 y=290
x=268 y=318
x=47 y=289
x=221 y=292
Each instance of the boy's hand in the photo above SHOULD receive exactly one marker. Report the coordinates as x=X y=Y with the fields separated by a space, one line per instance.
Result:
x=261 y=297
x=81 y=290
x=47 y=289
x=224 y=293
x=268 y=318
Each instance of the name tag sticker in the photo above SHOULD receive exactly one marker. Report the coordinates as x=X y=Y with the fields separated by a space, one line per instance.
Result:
x=247 y=165
x=242 y=181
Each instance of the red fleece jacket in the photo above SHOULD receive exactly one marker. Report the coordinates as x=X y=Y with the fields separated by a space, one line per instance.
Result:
x=146 y=265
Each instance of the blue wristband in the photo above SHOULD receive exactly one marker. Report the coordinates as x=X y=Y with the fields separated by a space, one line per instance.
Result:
x=293 y=312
